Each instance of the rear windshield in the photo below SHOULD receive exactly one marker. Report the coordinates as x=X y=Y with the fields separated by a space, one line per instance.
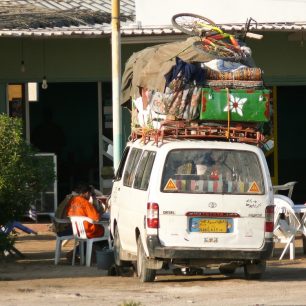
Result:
x=212 y=171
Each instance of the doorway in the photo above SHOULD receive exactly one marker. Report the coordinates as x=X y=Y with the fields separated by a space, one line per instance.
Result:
x=65 y=122
x=291 y=105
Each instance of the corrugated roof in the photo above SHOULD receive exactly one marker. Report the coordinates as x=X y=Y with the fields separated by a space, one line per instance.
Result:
x=270 y=27
x=233 y=27
x=129 y=30
x=127 y=6
x=34 y=14
x=92 y=18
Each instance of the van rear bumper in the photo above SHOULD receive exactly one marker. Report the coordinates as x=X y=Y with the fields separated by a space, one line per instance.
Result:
x=156 y=250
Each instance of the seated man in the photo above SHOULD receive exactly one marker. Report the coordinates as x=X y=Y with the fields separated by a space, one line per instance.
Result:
x=64 y=229
x=98 y=200
x=80 y=206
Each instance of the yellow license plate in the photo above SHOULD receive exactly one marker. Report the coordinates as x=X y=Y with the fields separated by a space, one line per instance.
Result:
x=213 y=226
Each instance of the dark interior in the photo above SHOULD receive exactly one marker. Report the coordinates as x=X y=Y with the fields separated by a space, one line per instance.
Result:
x=65 y=121
x=291 y=104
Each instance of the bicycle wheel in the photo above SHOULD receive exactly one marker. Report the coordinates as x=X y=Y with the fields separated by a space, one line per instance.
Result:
x=218 y=51
x=193 y=24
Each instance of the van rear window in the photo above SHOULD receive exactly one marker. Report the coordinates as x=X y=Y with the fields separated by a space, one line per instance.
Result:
x=212 y=171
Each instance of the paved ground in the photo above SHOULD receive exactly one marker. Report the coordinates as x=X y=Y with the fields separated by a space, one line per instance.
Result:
x=35 y=280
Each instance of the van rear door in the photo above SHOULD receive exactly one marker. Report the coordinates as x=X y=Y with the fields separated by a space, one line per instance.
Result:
x=212 y=198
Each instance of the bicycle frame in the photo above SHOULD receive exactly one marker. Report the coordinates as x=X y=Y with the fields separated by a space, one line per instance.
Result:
x=231 y=37
x=214 y=39
x=210 y=28
x=228 y=51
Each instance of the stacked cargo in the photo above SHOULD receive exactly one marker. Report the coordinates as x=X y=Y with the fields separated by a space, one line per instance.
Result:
x=240 y=92
x=177 y=91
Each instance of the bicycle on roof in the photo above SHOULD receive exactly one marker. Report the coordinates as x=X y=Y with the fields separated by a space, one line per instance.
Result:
x=213 y=40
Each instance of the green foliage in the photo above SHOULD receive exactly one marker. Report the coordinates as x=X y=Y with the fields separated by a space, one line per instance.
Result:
x=6 y=242
x=22 y=174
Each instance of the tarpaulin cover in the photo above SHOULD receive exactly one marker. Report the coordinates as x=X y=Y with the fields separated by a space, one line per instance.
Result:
x=147 y=68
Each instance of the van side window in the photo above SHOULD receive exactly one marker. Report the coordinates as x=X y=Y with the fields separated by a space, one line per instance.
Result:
x=130 y=169
x=144 y=169
x=119 y=172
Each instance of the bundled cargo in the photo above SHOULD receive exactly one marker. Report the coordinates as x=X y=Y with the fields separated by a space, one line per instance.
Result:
x=222 y=74
x=183 y=89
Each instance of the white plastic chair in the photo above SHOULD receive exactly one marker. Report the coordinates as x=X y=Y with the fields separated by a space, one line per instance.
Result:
x=60 y=240
x=279 y=198
x=80 y=236
x=286 y=224
x=288 y=186
x=303 y=224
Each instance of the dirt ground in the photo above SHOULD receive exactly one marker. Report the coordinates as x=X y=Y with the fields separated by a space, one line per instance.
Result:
x=35 y=280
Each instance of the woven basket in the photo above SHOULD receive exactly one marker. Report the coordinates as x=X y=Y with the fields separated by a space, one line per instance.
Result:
x=246 y=74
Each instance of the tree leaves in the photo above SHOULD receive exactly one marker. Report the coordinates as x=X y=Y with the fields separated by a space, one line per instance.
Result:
x=22 y=174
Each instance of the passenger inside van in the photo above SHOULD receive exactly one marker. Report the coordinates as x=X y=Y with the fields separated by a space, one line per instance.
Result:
x=216 y=168
x=187 y=168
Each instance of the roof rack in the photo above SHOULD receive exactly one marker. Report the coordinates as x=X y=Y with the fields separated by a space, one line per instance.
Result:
x=189 y=130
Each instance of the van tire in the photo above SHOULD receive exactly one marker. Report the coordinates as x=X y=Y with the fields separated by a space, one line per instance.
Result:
x=253 y=271
x=117 y=248
x=143 y=273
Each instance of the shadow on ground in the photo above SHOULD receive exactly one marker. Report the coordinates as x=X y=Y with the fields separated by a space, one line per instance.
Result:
x=38 y=263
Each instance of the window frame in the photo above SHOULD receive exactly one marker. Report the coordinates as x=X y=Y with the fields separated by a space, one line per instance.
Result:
x=122 y=163
x=132 y=165
x=143 y=185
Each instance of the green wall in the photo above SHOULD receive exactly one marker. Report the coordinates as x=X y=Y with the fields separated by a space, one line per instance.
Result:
x=65 y=59
x=89 y=59
x=282 y=61
x=72 y=59
x=60 y=59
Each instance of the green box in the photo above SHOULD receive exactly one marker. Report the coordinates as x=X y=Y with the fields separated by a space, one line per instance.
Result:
x=244 y=105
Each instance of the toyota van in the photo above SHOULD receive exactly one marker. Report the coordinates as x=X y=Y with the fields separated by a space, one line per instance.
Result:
x=190 y=205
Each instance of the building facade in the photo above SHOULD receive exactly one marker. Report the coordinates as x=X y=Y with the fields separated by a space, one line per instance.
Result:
x=72 y=116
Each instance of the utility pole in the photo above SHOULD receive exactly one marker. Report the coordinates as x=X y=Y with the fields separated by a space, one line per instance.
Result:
x=116 y=82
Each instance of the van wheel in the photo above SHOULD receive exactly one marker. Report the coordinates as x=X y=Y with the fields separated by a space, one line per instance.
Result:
x=144 y=274
x=117 y=248
x=254 y=270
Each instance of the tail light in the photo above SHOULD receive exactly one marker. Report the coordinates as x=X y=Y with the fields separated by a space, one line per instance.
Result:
x=152 y=215
x=269 y=225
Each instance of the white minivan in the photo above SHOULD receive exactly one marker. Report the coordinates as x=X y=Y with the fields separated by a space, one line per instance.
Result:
x=192 y=204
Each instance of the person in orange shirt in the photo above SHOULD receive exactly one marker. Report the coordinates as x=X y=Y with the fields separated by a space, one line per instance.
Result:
x=80 y=206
